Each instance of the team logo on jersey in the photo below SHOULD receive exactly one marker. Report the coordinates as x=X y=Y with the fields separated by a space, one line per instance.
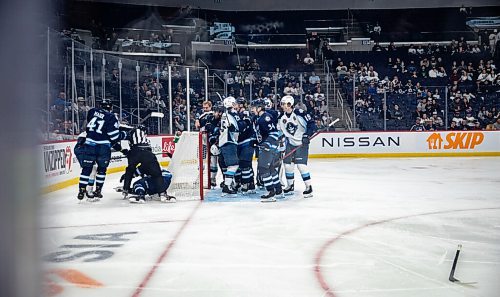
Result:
x=267 y=118
x=291 y=128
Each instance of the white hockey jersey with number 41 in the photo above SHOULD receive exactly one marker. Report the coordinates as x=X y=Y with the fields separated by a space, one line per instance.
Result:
x=295 y=125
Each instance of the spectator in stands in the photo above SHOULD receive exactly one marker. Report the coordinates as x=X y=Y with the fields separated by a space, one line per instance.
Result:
x=341 y=68
x=457 y=119
x=289 y=89
x=397 y=113
x=254 y=65
x=308 y=60
x=441 y=72
x=325 y=119
x=248 y=63
x=437 y=121
x=298 y=60
x=412 y=67
x=496 y=125
x=377 y=47
x=453 y=126
x=391 y=47
x=433 y=72
x=61 y=99
x=418 y=126
x=314 y=79
x=238 y=78
x=228 y=77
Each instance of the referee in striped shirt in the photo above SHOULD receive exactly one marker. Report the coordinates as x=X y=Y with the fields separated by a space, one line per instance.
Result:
x=141 y=154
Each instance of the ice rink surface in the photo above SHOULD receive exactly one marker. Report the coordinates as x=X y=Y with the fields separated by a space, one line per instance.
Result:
x=375 y=227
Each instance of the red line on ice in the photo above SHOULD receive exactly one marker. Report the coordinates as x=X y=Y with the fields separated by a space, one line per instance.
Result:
x=148 y=276
x=317 y=261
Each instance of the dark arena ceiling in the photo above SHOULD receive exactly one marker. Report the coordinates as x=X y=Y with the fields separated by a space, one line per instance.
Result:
x=282 y=5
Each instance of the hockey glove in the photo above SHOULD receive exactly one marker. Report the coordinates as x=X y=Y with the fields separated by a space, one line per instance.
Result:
x=117 y=146
x=265 y=147
x=122 y=178
x=125 y=152
x=208 y=127
x=214 y=150
x=305 y=139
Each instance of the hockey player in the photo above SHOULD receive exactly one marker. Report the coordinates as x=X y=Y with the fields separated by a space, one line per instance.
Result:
x=146 y=186
x=246 y=141
x=230 y=127
x=207 y=122
x=267 y=137
x=297 y=126
x=102 y=133
x=141 y=153
x=79 y=151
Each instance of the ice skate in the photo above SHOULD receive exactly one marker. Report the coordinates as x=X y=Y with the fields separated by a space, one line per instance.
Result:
x=308 y=192
x=165 y=198
x=137 y=199
x=269 y=197
x=288 y=190
x=227 y=190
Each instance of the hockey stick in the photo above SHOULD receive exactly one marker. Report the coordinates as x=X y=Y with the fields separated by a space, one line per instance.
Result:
x=220 y=97
x=123 y=157
x=153 y=114
x=310 y=138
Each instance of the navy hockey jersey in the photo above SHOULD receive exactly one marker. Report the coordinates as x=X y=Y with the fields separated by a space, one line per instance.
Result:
x=247 y=135
x=265 y=128
x=102 y=127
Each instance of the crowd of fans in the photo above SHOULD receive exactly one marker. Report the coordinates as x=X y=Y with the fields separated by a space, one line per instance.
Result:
x=415 y=79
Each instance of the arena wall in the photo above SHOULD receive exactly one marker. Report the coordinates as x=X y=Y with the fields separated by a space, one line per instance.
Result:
x=59 y=167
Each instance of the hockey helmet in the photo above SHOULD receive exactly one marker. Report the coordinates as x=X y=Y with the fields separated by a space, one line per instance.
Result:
x=268 y=103
x=259 y=103
x=287 y=100
x=241 y=100
x=229 y=102
x=218 y=107
x=106 y=104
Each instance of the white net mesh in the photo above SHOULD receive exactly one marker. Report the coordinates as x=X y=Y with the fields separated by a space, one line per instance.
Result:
x=186 y=165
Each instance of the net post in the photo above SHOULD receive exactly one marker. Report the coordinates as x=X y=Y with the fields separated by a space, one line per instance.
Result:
x=200 y=164
x=209 y=160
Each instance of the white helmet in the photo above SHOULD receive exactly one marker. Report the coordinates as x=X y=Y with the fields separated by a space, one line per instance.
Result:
x=269 y=103
x=287 y=99
x=229 y=102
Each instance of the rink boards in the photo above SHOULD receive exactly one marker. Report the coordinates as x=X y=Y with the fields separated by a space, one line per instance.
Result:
x=59 y=167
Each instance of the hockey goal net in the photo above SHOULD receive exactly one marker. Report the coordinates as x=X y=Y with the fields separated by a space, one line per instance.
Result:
x=190 y=167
